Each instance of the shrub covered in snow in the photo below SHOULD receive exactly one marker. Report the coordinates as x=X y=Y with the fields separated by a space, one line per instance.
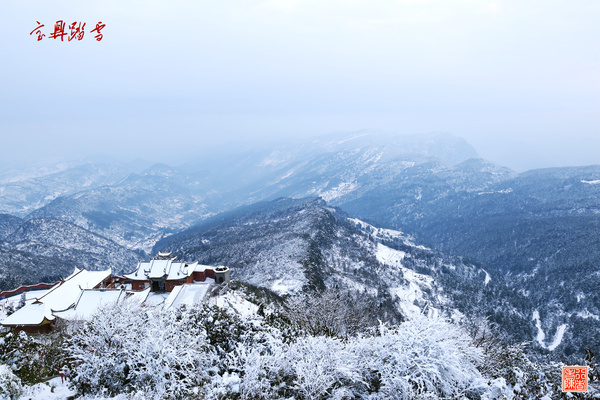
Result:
x=419 y=359
x=210 y=353
x=33 y=359
x=127 y=348
x=10 y=385
x=510 y=373
x=23 y=355
x=331 y=313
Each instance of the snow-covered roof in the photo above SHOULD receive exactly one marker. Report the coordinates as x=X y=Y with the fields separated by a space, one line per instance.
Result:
x=156 y=299
x=156 y=269
x=139 y=297
x=187 y=294
x=202 y=268
x=60 y=297
x=89 y=301
x=31 y=314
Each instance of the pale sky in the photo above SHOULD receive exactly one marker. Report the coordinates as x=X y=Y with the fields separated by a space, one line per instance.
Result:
x=518 y=79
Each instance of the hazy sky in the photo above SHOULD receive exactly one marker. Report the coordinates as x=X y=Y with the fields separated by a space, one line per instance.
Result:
x=518 y=79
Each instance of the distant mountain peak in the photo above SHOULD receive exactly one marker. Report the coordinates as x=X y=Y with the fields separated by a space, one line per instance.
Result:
x=444 y=146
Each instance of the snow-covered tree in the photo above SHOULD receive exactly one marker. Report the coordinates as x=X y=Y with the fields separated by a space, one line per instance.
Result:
x=10 y=385
x=127 y=348
x=331 y=313
x=22 y=301
x=210 y=353
x=23 y=355
x=419 y=359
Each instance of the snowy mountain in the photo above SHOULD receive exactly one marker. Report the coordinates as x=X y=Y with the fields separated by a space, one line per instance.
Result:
x=539 y=228
x=535 y=233
x=137 y=211
x=142 y=208
x=19 y=195
x=304 y=245
x=8 y=224
x=47 y=250
x=338 y=167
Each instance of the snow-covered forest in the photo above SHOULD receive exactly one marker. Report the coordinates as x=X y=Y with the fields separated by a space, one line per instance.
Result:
x=298 y=349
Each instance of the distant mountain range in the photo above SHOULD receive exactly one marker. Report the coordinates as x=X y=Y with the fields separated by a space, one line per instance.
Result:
x=140 y=209
x=46 y=250
x=535 y=234
x=21 y=195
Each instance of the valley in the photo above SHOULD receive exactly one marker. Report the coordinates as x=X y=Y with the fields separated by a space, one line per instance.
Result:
x=418 y=223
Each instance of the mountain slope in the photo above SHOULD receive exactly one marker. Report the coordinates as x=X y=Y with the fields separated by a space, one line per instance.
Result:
x=8 y=224
x=19 y=197
x=296 y=245
x=141 y=209
x=291 y=246
x=137 y=211
x=46 y=250
x=541 y=228
x=338 y=167
x=538 y=231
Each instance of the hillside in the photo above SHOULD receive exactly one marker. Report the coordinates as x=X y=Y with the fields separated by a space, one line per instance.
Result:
x=8 y=224
x=292 y=246
x=137 y=211
x=534 y=233
x=540 y=228
x=20 y=195
x=47 y=250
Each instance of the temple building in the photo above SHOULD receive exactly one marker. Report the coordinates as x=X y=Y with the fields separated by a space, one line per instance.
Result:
x=37 y=316
x=162 y=281
x=164 y=272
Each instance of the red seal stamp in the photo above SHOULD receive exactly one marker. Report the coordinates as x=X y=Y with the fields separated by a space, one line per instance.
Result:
x=575 y=379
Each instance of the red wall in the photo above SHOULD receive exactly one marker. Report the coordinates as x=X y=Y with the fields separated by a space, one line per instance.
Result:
x=200 y=276
x=169 y=285
x=27 y=287
x=138 y=285
x=46 y=328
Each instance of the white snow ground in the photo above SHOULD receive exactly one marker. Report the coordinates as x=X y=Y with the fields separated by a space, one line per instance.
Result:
x=412 y=292
x=541 y=336
x=53 y=389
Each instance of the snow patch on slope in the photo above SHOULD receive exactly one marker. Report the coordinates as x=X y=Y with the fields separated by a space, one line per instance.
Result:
x=541 y=336
x=286 y=286
x=382 y=233
x=340 y=190
x=560 y=331
x=275 y=159
x=487 y=277
x=538 y=324
x=236 y=302
x=586 y=314
x=389 y=256
x=413 y=291
x=503 y=191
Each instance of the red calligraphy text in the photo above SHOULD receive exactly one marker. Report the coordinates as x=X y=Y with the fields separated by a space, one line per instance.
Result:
x=59 y=30
x=76 y=31
x=98 y=28
x=38 y=31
